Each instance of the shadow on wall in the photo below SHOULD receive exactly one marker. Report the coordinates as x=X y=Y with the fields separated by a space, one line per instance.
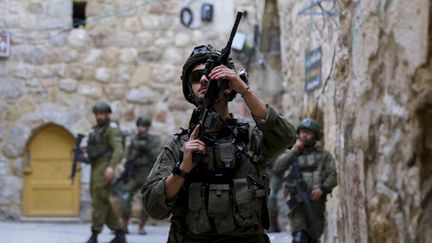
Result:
x=424 y=153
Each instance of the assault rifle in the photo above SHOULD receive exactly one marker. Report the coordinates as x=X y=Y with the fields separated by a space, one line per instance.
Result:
x=206 y=116
x=130 y=170
x=77 y=157
x=300 y=189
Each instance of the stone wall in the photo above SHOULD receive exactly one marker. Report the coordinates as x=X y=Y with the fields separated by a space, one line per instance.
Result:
x=129 y=54
x=375 y=101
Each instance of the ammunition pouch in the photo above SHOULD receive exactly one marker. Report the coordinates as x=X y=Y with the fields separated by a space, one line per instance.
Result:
x=95 y=151
x=197 y=219
x=220 y=207
x=244 y=215
x=226 y=156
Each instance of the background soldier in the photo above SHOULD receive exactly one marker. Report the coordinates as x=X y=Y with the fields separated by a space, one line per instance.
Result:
x=318 y=170
x=222 y=196
x=275 y=186
x=104 y=150
x=141 y=155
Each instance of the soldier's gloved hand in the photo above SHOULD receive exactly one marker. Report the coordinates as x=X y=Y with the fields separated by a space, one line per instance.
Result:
x=316 y=194
x=298 y=146
x=109 y=174
x=234 y=80
x=191 y=146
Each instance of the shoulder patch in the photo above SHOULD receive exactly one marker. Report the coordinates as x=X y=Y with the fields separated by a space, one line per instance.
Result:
x=113 y=125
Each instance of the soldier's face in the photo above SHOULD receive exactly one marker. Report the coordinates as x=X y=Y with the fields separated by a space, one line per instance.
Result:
x=143 y=130
x=101 y=117
x=307 y=137
x=199 y=82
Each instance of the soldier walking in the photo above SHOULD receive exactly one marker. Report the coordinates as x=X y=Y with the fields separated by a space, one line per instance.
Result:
x=318 y=175
x=105 y=151
x=217 y=191
x=141 y=155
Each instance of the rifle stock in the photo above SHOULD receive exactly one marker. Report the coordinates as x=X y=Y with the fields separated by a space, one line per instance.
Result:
x=302 y=196
x=207 y=117
x=76 y=156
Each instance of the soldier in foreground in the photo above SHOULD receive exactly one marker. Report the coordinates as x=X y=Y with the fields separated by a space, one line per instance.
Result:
x=105 y=151
x=141 y=155
x=216 y=187
x=311 y=177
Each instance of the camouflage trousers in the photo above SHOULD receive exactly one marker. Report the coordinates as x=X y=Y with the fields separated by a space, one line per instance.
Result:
x=126 y=192
x=103 y=212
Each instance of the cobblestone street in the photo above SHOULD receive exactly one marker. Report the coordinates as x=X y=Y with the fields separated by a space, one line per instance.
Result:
x=13 y=232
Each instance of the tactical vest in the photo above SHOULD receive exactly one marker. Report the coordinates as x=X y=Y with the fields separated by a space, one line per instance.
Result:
x=311 y=167
x=98 y=143
x=141 y=149
x=228 y=189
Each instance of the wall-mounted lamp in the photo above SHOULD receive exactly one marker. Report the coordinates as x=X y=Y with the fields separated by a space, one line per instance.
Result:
x=207 y=12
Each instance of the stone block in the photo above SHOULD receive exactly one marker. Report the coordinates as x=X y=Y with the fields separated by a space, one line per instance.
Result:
x=165 y=74
x=182 y=39
x=35 y=8
x=110 y=56
x=4 y=167
x=141 y=96
x=59 y=69
x=91 y=90
x=123 y=74
x=103 y=74
x=59 y=9
x=11 y=189
x=141 y=76
x=78 y=38
x=173 y=55
x=75 y=71
x=150 y=55
x=132 y=24
x=120 y=39
x=92 y=57
x=70 y=55
x=128 y=55
x=58 y=40
x=24 y=71
x=145 y=38
x=11 y=89
x=115 y=91
x=68 y=85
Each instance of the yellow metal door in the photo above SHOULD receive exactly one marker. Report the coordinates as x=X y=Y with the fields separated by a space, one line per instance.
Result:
x=47 y=188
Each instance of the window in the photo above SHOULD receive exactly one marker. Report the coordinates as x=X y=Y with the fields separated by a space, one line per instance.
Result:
x=78 y=14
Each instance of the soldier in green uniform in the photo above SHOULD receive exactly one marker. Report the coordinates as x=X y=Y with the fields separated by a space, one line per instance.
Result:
x=221 y=196
x=105 y=151
x=318 y=170
x=275 y=186
x=141 y=155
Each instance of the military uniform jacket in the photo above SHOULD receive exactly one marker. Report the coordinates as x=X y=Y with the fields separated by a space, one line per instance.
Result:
x=105 y=144
x=233 y=207
x=143 y=151
x=316 y=164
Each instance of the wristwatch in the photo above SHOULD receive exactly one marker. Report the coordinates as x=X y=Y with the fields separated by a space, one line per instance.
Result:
x=177 y=171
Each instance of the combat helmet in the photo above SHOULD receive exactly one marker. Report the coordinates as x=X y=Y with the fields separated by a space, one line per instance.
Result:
x=101 y=107
x=311 y=125
x=144 y=120
x=199 y=55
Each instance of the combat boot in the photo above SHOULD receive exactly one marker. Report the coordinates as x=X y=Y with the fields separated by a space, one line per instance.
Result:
x=119 y=237
x=93 y=237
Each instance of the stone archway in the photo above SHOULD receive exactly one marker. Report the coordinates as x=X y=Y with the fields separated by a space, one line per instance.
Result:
x=47 y=191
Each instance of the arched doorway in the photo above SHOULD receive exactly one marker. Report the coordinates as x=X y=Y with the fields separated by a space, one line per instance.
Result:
x=48 y=191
